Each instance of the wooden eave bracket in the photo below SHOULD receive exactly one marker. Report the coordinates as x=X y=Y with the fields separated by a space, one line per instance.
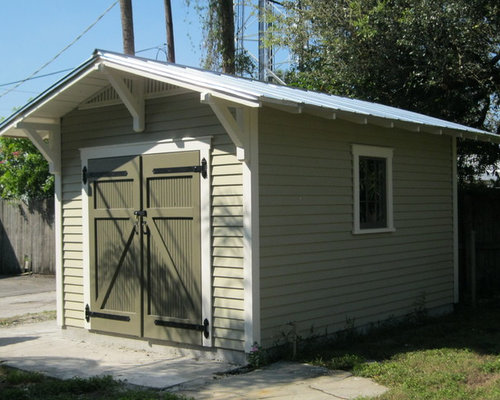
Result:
x=133 y=101
x=235 y=126
x=51 y=150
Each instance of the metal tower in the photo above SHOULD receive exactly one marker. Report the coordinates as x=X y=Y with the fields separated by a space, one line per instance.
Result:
x=251 y=27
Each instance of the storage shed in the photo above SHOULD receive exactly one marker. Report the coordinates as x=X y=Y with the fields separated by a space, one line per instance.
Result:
x=217 y=212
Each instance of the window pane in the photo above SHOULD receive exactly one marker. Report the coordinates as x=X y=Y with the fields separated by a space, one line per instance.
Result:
x=372 y=192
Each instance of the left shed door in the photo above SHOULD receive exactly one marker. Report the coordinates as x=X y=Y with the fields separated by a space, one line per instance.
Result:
x=115 y=245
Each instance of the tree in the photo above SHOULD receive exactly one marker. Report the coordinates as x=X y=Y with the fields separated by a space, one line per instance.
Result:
x=437 y=57
x=24 y=173
x=217 y=18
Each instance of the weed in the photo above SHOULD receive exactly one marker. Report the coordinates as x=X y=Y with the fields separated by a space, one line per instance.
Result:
x=258 y=356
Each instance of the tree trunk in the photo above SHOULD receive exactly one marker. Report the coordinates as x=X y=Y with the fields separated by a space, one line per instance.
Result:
x=127 y=27
x=226 y=16
x=170 y=32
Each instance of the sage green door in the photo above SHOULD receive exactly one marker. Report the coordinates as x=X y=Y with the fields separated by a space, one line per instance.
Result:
x=173 y=274
x=147 y=256
x=115 y=246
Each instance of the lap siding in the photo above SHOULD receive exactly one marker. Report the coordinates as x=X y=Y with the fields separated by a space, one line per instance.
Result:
x=171 y=117
x=314 y=271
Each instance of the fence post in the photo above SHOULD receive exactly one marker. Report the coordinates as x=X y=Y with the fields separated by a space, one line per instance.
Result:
x=471 y=265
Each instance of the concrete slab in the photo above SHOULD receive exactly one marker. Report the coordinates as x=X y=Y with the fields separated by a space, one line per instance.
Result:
x=45 y=348
x=285 y=380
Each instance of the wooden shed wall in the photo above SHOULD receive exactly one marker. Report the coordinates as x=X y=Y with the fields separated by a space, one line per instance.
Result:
x=314 y=271
x=168 y=117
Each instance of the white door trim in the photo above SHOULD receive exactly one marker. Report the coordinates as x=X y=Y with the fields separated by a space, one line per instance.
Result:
x=201 y=144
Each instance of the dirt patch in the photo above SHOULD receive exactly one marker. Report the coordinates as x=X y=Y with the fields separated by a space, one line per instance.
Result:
x=27 y=319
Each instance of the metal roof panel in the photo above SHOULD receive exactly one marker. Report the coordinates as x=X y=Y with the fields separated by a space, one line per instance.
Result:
x=242 y=90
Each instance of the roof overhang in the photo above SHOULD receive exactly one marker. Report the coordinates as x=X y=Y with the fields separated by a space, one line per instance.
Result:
x=93 y=75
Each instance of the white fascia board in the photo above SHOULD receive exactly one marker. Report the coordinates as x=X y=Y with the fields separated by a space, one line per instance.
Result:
x=237 y=97
x=28 y=112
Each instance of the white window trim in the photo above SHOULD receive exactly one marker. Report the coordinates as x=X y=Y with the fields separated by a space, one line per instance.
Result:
x=201 y=144
x=379 y=152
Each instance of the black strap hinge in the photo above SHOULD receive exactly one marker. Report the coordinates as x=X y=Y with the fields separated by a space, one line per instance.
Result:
x=202 y=169
x=92 y=314
x=182 y=325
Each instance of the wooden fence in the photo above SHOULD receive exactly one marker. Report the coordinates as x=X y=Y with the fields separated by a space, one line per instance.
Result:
x=27 y=240
x=479 y=239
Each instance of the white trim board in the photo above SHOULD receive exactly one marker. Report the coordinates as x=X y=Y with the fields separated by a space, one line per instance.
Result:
x=58 y=229
x=203 y=145
x=251 y=238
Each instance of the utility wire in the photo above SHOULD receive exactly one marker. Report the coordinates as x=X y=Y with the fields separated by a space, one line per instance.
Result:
x=159 y=48
x=35 y=77
x=62 y=51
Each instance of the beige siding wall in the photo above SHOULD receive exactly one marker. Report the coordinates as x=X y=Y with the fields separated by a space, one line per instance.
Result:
x=169 y=117
x=314 y=271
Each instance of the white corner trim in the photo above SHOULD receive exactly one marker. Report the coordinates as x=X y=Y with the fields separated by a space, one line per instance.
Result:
x=251 y=242
x=58 y=250
x=380 y=152
x=203 y=145
x=455 y=220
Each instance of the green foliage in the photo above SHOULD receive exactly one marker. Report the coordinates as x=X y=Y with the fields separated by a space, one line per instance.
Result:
x=438 y=57
x=24 y=173
x=346 y=362
x=449 y=357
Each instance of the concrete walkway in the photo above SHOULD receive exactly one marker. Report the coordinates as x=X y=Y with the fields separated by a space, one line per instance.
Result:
x=65 y=353
x=285 y=380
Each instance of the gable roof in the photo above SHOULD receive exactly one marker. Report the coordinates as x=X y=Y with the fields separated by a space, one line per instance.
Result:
x=88 y=79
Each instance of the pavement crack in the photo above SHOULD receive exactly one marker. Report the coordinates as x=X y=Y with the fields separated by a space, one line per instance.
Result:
x=328 y=393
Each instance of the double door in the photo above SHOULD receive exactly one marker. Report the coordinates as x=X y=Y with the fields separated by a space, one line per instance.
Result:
x=144 y=236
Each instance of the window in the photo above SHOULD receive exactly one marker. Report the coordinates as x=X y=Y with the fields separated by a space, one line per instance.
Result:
x=372 y=189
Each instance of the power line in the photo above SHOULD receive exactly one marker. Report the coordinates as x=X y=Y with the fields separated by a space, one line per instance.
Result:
x=36 y=77
x=159 y=48
x=62 y=51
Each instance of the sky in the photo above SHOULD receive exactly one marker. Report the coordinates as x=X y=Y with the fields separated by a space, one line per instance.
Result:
x=32 y=32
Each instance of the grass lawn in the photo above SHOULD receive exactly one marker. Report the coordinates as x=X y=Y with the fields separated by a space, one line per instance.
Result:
x=452 y=357
x=20 y=385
